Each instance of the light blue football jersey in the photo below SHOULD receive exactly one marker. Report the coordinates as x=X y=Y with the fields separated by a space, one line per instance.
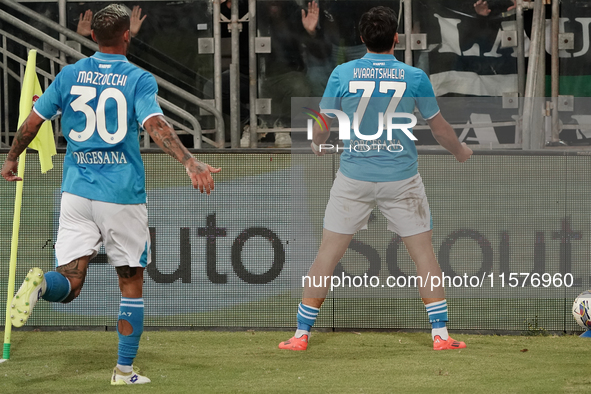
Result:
x=374 y=84
x=101 y=100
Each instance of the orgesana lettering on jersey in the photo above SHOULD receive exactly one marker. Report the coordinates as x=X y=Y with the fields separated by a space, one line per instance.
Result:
x=376 y=142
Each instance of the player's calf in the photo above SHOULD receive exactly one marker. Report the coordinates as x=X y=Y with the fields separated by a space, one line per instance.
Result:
x=75 y=273
x=130 y=327
x=130 y=324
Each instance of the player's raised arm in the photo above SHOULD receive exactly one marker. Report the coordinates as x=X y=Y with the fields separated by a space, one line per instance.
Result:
x=25 y=134
x=446 y=137
x=163 y=134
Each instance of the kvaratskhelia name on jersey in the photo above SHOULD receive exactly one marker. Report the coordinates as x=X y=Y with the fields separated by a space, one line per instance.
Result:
x=383 y=73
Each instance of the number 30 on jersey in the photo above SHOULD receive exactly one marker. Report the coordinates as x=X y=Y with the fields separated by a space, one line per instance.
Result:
x=97 y=120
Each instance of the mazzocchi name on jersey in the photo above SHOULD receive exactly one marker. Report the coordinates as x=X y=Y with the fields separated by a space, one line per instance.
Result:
x=100 y=157
x=96 y=78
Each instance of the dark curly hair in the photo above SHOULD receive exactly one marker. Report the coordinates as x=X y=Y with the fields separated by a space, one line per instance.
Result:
x=378 y=27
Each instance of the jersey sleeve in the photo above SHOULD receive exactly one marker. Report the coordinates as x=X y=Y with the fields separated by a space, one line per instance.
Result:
x=425 y=97
x=146 y=104
x=49 y=105
x=332 y=93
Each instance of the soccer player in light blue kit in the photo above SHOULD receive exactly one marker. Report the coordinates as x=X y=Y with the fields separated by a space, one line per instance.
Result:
x=376 y=171
x=102 y=99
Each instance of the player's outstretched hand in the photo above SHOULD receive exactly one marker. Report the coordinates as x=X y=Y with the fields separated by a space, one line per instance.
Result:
x=9 y=171
x=200 y=174
x=464 y=153
x=84 y=23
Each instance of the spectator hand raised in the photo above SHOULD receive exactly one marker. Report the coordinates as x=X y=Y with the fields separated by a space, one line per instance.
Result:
x=310 y=19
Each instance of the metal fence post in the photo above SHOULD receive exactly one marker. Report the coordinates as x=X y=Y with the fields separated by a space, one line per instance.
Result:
x=217 y=68
x=252 y=68
x=554 y=137
x=532 y=108
x=520 y=49
x=61 y=4
x=235 y=77
x=408 y=31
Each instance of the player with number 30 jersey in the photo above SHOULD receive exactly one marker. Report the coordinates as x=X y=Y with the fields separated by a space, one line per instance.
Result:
x=102 y=100
x=102 y=164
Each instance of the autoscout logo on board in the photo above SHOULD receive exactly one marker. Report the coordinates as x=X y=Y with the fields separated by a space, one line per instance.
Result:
x=374 y=141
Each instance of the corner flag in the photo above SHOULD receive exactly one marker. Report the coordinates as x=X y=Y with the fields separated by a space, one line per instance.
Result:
x=31 y=91
x=45 y=145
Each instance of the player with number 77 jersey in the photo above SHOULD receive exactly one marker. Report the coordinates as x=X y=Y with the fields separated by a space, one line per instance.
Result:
x=378 y=167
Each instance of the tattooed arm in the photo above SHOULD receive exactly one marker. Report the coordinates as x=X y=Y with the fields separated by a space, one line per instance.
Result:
x=25 y=134
x=163 y=134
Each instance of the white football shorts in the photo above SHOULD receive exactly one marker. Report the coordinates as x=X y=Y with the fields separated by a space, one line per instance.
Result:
x=84 y=224
x=403 y=203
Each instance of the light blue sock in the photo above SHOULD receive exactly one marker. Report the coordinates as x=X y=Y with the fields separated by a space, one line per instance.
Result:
x=57 y=287
x=437 y=312
x=132 y=311
x=306 y=319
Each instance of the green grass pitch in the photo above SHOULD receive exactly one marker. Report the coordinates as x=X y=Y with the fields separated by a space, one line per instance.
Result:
x=341 y=362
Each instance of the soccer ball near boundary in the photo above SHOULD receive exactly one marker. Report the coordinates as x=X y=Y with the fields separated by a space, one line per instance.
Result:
x=582 y=309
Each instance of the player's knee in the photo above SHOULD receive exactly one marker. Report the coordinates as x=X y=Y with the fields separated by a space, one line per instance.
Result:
x=126 y=272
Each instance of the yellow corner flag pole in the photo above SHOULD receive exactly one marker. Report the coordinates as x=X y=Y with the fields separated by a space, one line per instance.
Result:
x=16 y=224
x=45 y=145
